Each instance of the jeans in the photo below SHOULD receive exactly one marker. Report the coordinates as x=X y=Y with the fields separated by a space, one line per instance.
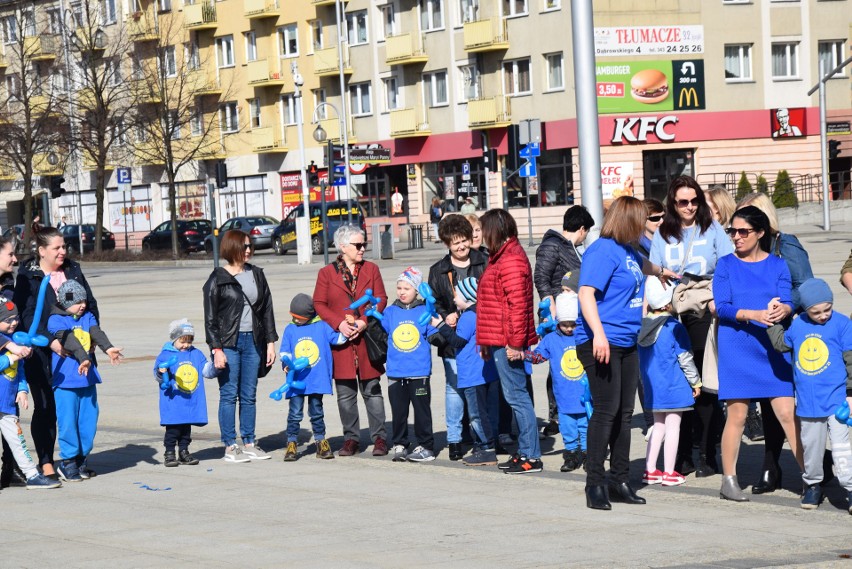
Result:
x=347 y=405
x=296 y=413
x=513 y=380
x=454 y=402
x=574 y=427
x=239 y=381
x=478 y=408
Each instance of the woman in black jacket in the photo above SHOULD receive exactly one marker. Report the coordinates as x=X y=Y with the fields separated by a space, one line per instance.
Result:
x=242 y=337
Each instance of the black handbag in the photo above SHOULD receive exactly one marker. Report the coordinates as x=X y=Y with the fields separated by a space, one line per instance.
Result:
x=376 y=338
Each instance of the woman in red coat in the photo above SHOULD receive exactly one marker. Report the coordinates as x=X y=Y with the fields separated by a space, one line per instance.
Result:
x=338 y=283
x=505 y=302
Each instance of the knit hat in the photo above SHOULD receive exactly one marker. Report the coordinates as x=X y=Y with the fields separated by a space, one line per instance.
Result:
x=814 y=291
x=8 y=309
x=567 y=307
x=70 y=293
x=572 y=280
x=180 y=328
x=657 y=295
x=467 y=288
x=302 y=306
x=412 y=276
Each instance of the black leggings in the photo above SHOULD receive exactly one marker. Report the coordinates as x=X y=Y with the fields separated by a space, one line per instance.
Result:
x=180 y=435
x=43 y=424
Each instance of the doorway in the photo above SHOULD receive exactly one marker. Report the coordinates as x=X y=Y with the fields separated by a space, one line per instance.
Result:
x=663 y=166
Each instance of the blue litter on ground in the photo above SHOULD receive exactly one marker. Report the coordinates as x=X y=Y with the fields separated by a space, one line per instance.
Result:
x=209 y=470
x=146 y=487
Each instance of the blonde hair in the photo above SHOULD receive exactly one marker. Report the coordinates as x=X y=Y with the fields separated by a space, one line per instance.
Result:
x=472 y=218
x=762 y=202
x=724 y=203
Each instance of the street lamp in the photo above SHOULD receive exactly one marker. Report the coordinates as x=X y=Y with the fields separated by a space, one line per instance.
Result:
x=303 y=233
x=320 y=135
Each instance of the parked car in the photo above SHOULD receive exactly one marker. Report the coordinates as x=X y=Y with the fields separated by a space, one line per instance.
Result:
x=71 y=233
x=337 y=214
x=259 y=228
x=190 y=233
x=15 y=235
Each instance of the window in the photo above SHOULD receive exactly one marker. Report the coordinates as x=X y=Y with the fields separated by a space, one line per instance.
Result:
x=112 y=69
x=316 y=34
x=738 y=62
x=193 y=57
x=171 y=125
x=388 y=20
x=165 y=5
x=516 y=76
x=29 y=22
x=167 y=60
x=469 y=82
x=514 y=8
x=225 y=49
x=785 y=60
x=137 y=71
x=140 y=133
x=552 y=5
x=250 y=39
x=319 y=97
x=229 y=117
x=435 y=88
x=54 y=22
x=195 y=122
x=830 y=56
x=431 y=15
x=10 y=29
x=555 y=76
x=119 y=132
x=288 y=109
x=392 y=99
x=254 y=112
x=468 y=10
x=356 y=26
x=59 y=80
x=359 y=99
x=13 y=86
x=107 y=12
x=289 y=40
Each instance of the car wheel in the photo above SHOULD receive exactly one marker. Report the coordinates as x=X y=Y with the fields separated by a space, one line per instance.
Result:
x=276 y=246
x=316 y=245
x=71 y=249
x=146 y=246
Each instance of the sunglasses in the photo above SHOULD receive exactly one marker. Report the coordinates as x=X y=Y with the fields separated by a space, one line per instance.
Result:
x=247 y=245
x=359 y=246
x=684 y=203
x=655 y=218
x=739 y=231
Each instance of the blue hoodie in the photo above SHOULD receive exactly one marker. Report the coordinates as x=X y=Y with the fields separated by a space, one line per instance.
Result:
x=185 y=404
x=65 y=368
x=409 y=353
x=311 y=340
x=12 y=382
x=472 y=369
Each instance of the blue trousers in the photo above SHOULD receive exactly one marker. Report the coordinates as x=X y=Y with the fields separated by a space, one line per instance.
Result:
x=238 y=381
x=574 y=428
x=297 y=412
x=480 y=400
x=77 y=420
x=453 y=401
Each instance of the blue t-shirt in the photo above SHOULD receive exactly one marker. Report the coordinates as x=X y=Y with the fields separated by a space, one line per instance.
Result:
x=186 y=403
x=666 y=386
x=615 y=272
x=409 y=353
x=565 y=369
x=312 y=341
x=819 y=373
x=65 y=373
x=472 y=369
x=12 y=381
x=707 y=249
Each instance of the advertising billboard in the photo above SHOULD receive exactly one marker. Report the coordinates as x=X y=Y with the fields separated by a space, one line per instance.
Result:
x=649 y=40
x=650 y=86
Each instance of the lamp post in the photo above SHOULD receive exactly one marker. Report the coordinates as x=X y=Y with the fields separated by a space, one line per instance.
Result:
x=340 y=13
x=320 y=135
x=303 y=245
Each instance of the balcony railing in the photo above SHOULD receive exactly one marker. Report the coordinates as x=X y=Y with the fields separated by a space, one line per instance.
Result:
x=200 y=16
x=3 y=63
x=326 y=2
x=489 y=112
x=142 y=26
x=267 y=140
x=256 y=9
x=145 y=93
x=8 y=173
x=326 y=61
x=40 y=48
x=486 y=35
x=202 y=83
x=403 y=49
x=42 y=104
x=406 y=123
x=265 y=73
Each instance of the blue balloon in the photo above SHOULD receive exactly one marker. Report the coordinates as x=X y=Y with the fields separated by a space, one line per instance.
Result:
x=30 y=338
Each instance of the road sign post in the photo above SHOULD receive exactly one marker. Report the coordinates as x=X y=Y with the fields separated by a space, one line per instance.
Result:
x=529 y=170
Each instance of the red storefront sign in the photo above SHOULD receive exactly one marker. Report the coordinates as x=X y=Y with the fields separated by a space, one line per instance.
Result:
x=291 y=190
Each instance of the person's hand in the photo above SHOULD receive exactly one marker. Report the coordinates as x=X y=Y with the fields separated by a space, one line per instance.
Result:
x=270 y=353
x=83 y=368
x=711 y=306
x=20 y=351
x=357 y=329
x=451 y=319
x=347 y=328
x=667 y=276
x=22 y=400
x=436 y=321
x=485 y=353
x=514 y=354
x=12 y=358
x=600 y=348
x=115 y=355
x=777 y=310
x=350 y=319
x=696 y=391
x=759 y=316
x=57 y=348
x=220 y=360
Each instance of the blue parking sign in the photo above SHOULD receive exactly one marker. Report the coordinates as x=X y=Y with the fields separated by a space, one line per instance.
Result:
x=123 y=176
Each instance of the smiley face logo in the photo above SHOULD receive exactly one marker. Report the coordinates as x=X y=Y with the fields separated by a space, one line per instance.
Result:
x=406 y=337
x=813 y=355
x=84 y=338
x=186 y=377
x=11 y=372
x=307 y=348
x=572 y=369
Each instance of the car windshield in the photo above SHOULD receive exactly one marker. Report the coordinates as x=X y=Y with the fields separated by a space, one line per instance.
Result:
x=198 y=225
x=255 y=221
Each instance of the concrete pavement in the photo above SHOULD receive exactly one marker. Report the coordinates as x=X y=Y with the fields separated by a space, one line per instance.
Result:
x=370 y=512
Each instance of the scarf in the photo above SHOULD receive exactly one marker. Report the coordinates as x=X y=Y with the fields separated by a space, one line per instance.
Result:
x=350 y=278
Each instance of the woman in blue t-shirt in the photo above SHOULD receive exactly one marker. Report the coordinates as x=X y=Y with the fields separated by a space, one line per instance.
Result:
x=612 y=283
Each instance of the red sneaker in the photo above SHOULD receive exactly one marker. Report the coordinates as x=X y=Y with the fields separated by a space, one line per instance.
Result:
x=652 y=477
x=673 y=479
x=380 y=447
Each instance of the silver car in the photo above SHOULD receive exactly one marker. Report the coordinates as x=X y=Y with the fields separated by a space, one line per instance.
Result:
x=258 y=227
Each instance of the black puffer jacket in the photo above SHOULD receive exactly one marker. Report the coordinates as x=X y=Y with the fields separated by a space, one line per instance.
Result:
x=553 y=258
x=443 y=278
x=223 y=307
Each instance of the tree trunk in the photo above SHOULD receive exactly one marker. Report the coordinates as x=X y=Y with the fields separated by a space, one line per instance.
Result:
x=100 y=182
x=173 y=211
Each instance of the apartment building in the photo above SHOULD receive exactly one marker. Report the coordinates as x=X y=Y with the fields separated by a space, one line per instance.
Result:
x=437 y=81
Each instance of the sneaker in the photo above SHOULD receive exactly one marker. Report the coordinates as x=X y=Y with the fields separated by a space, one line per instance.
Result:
x=421 y=454
x=323 y=449
x=41 y=482
x=811 y=497
x=170 y=459
x=185 y=458
x=652 y=477
x=648 y=433
x=481 y=457
x=11 y=475
x=254 y=452
x=672 y=479
x=350 y=448
x=574 y=459
x=83 y=468
x=234 y=453
x=456 y=452
x=550 y=429
x=380 y=447
x=525 y=466
x=509 y=463
x=291 y=454
x=399 y=453
x=505 y=439
x=849 y=502
x=68 y=471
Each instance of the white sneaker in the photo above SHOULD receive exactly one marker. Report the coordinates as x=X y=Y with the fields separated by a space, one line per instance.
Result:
x=399 y=453
x=421 y=454
x=254 y=452
x=235 y=454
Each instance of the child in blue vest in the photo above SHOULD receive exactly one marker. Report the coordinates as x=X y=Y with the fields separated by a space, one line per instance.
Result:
x=409 y=367
x=182 y=367
x=821 y=342
x=477 y=378
x=13 y=391
x=670 y=379
x=308 y=337
x=560 y=349
x=75 y=378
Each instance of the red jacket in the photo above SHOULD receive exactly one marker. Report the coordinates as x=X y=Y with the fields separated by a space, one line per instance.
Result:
x=331 y=301
x=505 y=299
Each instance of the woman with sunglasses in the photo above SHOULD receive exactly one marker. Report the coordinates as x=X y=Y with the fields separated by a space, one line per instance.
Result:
x=753 y=290
x=655 y=211
x=240 y=329
x=690 y=241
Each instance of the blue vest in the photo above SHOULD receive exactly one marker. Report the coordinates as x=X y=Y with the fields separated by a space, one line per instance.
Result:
x=11 y=382
x=186 y=403
x=312 y=341
x=409 y=353
x=566 y=371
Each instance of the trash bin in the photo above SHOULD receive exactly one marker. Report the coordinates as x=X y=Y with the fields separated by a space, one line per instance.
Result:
x=382 y=234
x=387 y=242
x=415 y=237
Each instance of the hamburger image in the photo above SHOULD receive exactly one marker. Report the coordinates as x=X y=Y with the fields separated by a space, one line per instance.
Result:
x=649 y=86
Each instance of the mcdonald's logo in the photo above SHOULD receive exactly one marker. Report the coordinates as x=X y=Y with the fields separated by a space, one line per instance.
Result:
x=689 y=96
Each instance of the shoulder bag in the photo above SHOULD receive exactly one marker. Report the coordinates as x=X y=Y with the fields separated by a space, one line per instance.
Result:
x=262 y=369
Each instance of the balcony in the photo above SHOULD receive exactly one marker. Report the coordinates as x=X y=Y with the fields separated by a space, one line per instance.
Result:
x=147 y=154
x=113 y=160
x=200 y=16
x=86 y=99
x=43 y=168
x=403 y=49
x=142 y=26
x=40 y=48
x=42 y=104
x=203 y=84
x=145 y=93
x=493 y=112
x=266 y=141
x=8 y=173
x=3 y=63
x=332 y=130
x=326 y=2
x=89 y=40
x=257 y=9
x=326 y=62
x=404 y=123
x=264 y=73
x=486 y=35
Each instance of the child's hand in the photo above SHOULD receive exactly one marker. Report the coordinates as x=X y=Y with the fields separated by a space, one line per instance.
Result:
x=696 y=391
x=83 y=369
x=350 y=319
x=436 y=321
x=20 y=351
x=22 y=400
x=12 y=358
x=115 y=355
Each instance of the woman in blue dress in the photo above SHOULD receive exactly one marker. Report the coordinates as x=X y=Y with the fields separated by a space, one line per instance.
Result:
x=752 y=289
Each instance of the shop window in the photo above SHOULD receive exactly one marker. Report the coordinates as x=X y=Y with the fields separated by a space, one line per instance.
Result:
x=445 y=181
x=552 y=187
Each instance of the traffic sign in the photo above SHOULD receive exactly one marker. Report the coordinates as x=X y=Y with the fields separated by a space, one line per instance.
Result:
x=528 y=170
x=124 y=178
x=339 y=176
x=465 y=170
x=531 y=150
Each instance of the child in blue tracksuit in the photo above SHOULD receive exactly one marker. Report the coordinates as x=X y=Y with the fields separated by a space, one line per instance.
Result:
x=181 y=367
x=477 y=378
x=308 y=337
x=560 y=349
x=75 y=378
x=821 y=342
x=670 y=379
x=409 y=367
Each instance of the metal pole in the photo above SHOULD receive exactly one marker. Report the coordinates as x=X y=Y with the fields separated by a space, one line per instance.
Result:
x=215 y=222
x=341 y=37
x=529 y=208
x=324 y=223
x=823 y=141
x=303 y=247
x=488 y=166
x=582 y=28
x=126 y=239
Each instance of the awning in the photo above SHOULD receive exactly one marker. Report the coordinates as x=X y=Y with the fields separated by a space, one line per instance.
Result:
x=18 y=195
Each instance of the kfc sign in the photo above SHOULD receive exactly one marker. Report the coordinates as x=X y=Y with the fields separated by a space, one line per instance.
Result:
x=637 y=129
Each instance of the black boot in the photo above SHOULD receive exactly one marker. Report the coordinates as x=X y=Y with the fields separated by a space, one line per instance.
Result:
x=684 y=464
x=573 y=460
x=622 y=492
x=706 y=466
x=596 y=498
x=456 y=452
x=770 y=481
x=169 y=458
x=11 y=475
x=186 y=458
